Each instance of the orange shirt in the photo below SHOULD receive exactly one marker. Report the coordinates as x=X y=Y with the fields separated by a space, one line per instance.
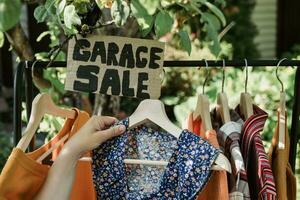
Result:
x=217 y=187
x=22 y=176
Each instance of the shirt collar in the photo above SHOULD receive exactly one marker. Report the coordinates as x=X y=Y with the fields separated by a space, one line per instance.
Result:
x=258 y=119
x=217 y=120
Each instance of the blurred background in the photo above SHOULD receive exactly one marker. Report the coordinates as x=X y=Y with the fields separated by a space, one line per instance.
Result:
x=254 y=29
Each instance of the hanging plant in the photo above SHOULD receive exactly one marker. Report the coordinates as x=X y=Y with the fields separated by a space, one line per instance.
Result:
x=155 y=18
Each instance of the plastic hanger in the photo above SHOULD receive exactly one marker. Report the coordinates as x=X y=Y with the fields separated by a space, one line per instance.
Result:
x=41 y=105
x=246 y=104
x=222 y=100
x=282 y=112
x=153 y=110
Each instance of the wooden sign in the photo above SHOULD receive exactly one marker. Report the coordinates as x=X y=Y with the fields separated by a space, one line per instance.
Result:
x=115 y=66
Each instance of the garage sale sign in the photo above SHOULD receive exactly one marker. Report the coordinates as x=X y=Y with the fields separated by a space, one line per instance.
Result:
x=115 y=66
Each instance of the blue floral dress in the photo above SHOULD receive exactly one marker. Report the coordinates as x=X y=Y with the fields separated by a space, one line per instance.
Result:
x=188 y=170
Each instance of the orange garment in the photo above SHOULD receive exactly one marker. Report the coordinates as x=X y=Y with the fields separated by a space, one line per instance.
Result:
x=22 y=176
x=285 y=181
x=217 y=187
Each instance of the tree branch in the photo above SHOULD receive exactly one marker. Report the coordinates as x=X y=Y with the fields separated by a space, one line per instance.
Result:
x=22 y=47
x=20 y=43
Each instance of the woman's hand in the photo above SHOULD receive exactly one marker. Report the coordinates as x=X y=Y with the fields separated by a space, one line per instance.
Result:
x=95 y=131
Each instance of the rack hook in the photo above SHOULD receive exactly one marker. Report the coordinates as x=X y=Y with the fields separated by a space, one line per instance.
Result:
x=246 y=80
x=206 y=76
x=32 y=68
x=277 y=76
x=223 y=75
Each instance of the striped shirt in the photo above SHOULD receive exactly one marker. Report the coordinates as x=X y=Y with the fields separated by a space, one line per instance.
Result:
x=259 y=172
x=229 y=135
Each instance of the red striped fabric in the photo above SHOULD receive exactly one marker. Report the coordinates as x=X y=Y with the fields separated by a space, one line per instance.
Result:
x=259 y=172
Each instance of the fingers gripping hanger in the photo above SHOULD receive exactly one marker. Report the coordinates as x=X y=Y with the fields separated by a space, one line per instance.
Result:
x=246 y=104
x=222 y=100
x=282 y=112
x=42 y=104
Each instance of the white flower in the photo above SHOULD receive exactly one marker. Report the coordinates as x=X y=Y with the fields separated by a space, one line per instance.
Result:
x=71 y=17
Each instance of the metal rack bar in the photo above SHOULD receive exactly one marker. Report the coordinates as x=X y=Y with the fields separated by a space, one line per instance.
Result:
x=295 y=130
x=197 y=63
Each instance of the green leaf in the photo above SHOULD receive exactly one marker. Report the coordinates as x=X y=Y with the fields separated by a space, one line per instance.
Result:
x=40 y=13
x=2 y=38
x=70 y=17
x=120 y=12
x=185 y=41
x=163 y=23
x=212 y=35
x=150 y=5
x=56 y=124
x=211 y=27
x=170 y=100
x=81 y=6
x=217 y=12
x=211 y=19
x=50 y=7
x=10 y=11
x=144 y=20
x=61 y=6
x=99 y=4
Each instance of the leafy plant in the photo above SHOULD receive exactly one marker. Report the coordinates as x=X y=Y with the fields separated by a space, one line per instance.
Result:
x=10 y=11
x=265 y=96
x=6 y=147
x=242 y=34
x=155 y=18
x=1 y=39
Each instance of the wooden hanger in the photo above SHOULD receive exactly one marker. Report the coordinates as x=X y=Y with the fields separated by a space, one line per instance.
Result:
x=282 y=112
x=202 y=111
x=222 y=101
x=246 y=104
x=41 y=105
x=223 y=107
x=282 y=122
x=202 y=107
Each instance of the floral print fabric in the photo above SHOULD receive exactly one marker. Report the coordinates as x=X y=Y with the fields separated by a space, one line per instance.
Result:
x=188 y=170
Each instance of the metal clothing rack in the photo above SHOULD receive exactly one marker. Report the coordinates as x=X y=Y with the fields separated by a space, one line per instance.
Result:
x=24 y=71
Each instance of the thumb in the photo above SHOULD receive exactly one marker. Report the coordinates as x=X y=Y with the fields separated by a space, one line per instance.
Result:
x=107 y=134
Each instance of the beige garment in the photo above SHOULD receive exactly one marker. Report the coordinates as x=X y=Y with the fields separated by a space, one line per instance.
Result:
x=285 y=180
